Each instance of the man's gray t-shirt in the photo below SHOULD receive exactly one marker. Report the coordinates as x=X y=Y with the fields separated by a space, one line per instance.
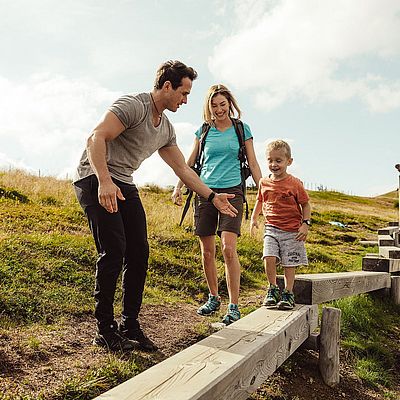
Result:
x=137 y=142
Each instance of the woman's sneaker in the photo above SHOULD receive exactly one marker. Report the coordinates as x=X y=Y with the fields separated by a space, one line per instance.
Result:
x=273 y=296
x=213 y=303
x=232 y=315
x=287 y=302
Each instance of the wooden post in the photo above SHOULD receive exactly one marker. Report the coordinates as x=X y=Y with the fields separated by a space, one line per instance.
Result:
x=330 y=345
x=395 y=289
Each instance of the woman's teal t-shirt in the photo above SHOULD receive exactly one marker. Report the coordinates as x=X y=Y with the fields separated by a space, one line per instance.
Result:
x=221 y=166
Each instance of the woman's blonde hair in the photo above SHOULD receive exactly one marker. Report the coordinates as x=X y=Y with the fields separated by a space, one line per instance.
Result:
x=224 y=91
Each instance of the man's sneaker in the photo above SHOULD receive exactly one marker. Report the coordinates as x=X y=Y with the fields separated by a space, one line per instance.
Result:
x=113 y=341
x=287 y=302
x=232 y=315
x=136 y=334
x=273 y=296
x=213 y=303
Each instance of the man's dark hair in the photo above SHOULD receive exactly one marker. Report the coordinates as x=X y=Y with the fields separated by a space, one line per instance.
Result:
x=173 y=71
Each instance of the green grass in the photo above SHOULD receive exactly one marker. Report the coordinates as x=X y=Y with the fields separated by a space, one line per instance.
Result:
x=368 y=327
x=47 y=259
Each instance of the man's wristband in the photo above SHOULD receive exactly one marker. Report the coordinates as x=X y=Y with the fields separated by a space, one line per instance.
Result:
x=211 y=196
x=307 y=222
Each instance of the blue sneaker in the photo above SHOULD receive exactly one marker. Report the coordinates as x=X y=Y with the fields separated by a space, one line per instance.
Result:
x=232 y=315
x=287 y=302
x=212 y=305
x=273 y=296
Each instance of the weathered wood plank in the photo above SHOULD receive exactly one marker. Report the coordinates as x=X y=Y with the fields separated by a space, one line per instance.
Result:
x=380 y=264
x=321 y=288
x=397 y=239
x=230 y=364
x=368 y=242
x=385 y=240
x=395 y=289
x=390 y=230
x=389 y=252
x=330 y=345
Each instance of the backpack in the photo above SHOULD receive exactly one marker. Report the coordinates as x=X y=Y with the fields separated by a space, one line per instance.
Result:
x=244 y=166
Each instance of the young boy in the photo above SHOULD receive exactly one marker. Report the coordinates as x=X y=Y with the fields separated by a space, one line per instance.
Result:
x=285 y=205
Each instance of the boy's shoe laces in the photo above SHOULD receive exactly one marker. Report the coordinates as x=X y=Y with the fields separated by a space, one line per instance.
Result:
x=213 y=303
x=232 y=315
x=287 y=302
x=273 y=296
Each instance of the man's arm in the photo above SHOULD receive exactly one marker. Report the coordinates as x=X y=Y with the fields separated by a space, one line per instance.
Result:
x=108 y=129
x=174 y=158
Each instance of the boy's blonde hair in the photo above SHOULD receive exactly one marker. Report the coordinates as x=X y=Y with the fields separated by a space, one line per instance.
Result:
x=279 y=145
x=213 y=91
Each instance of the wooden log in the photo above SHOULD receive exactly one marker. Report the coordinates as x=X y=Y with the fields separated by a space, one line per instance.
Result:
x=321 y=288
x=385 y=240
x=312 y=342
x=379 y=264
x=368 y=242
x=397 y=239
x=395 y=289
x=389 y=230
x=330 y=346
x=229 y=364
x=389 y=252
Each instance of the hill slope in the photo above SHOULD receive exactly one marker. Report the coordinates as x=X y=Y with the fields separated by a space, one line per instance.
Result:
x=47 y=262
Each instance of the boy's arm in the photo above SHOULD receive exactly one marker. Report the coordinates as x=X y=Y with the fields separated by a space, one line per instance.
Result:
x=303 y=230
x=254 y=216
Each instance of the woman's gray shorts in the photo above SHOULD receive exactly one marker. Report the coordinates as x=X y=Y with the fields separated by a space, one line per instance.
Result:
x=283 y=245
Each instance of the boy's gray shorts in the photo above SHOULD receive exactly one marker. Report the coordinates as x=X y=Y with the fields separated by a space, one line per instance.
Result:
x=283 y=245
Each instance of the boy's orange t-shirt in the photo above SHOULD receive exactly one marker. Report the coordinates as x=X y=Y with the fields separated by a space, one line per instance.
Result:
x=281 y=202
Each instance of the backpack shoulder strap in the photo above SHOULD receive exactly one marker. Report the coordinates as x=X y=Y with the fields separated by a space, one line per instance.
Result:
x=205 y=128
x=197 y=167
x=239 y=129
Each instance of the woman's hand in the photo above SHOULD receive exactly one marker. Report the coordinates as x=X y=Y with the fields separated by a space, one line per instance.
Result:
x=177 y=196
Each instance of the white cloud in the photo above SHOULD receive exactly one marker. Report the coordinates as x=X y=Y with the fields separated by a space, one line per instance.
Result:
x=288 y=49
x=46 y=120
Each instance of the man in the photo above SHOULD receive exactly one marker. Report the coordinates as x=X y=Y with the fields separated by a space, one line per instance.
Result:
x=132 y=129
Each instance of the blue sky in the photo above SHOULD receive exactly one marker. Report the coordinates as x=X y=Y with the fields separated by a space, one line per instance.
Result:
x=323 y=75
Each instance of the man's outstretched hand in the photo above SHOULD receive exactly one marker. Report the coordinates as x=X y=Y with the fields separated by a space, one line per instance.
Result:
x=221 y=202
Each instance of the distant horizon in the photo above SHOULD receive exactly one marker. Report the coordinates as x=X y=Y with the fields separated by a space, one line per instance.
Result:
x=313 y=187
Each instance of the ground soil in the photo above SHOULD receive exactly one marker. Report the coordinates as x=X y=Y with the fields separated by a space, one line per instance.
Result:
x=38 y=360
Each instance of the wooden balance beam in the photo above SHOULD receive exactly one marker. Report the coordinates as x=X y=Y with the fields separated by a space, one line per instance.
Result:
x=229 y=364
x=380 y=264
x=322 y=288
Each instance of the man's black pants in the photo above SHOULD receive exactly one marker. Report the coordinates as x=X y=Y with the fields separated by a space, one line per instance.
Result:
x=121 y=243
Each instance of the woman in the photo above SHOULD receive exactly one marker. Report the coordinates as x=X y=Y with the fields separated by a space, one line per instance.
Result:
x=221 y=172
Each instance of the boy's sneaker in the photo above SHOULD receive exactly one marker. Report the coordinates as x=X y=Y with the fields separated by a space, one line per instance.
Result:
x=287 y=302
x=273 y=296
x=113 y=341
x=213 y=303
x=232 y=315
x=135 y=334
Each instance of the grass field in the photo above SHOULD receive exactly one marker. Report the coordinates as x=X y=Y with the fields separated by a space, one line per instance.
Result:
x=47 y=262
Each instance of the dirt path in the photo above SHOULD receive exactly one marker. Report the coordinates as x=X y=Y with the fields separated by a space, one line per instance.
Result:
x=37 y=360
